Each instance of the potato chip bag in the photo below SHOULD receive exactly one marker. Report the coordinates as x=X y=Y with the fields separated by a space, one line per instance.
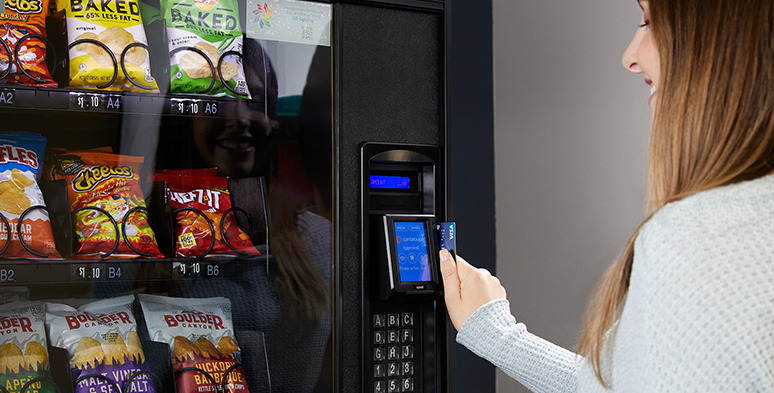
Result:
x=102 y=342
x=116 y=25
x=23 y=353
x=19 y=20
x=200 y=333
x=210 y=199
x=21 y=154
x=106 y=188
x=202 y=30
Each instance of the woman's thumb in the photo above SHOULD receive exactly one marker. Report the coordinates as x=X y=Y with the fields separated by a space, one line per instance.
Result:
x=451 y=281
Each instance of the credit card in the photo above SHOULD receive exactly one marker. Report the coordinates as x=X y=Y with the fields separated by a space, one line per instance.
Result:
x=447 y=237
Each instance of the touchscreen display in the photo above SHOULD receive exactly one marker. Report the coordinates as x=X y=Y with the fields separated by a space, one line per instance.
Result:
x=411 y=245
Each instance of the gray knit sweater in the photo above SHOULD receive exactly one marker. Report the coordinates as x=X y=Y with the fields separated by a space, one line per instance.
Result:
x=698 y=317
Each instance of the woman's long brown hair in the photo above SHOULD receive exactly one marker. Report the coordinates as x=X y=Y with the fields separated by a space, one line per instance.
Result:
x=712 y=124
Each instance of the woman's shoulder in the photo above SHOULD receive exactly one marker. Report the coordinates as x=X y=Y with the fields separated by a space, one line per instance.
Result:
x=734 y=209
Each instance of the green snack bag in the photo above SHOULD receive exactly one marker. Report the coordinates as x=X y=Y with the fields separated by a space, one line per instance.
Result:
x=205 y=36
x=23 y=349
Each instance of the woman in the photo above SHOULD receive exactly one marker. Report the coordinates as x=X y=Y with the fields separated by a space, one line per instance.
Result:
x=689 y=305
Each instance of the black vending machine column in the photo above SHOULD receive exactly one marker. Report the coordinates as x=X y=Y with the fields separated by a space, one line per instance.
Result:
x=404 y=318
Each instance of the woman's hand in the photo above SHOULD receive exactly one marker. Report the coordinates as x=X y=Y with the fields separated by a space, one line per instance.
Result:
x=466 y=288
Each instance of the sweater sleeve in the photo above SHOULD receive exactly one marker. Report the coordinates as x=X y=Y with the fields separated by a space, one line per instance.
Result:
x=493 y=333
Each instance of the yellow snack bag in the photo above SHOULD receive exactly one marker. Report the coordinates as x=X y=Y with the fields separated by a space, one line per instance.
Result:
x=99 y=33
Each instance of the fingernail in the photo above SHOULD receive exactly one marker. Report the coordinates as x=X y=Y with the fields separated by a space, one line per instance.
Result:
x=445 y=256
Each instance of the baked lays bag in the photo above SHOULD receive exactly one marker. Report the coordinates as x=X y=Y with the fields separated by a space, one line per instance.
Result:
x=110 y=183
x=23 y=349
x=116 y=25
x=200 y=32
x=205 y=196
x=103 y=345
x=200 y=333
x=18 y=22
x=21 y=155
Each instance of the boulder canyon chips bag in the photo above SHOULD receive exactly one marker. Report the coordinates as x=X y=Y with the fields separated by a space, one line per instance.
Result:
x=200 y=32
x=23 y=349
x=102 y=342
x=200 y=333
x=21 y=155
x=106 y=189
x=110 y=26
x=20 y=21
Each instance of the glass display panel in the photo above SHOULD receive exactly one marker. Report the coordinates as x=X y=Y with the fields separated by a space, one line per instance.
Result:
x=411 y=246
x=182 y=185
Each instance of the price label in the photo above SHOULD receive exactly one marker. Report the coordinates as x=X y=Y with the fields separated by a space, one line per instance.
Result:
x=7 y=97
x=196 y=269
x=85 y=272
x=88 y=101
x=7 y=275
x=194 y=107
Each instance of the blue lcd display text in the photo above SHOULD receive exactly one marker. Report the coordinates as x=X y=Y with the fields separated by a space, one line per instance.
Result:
x=411 y=245
x=390 y=182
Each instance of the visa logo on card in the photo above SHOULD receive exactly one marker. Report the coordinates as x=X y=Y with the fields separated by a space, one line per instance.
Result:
x=447 y=237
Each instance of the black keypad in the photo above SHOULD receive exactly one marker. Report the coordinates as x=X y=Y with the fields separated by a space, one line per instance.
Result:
x=408 y=384
x=379 y=321
x=393 y=336
x=393 y=385
x=379 y=370
x=379 y=337
x=407 y=368
x=393 y=352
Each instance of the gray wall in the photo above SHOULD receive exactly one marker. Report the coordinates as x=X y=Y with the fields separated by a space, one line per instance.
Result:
x=571 y=131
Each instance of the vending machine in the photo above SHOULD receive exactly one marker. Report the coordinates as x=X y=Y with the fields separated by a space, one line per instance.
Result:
x=222 y=196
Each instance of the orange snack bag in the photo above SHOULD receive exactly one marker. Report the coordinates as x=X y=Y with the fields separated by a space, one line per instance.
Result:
x=105 y=194
x=18 y=22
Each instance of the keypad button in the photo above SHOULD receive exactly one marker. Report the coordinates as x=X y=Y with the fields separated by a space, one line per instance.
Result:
x=379 y=370
x=393 y=336
x=393 y=353
x=379 y=320
x=407 y=336
x=379 y=355
x=393 y=369
x=408 y=368
x=379 y=337
x=393 y=386
x=393 y=320
x=408 y=384
x=408 y=319
x=408 y=352
x=380 y=387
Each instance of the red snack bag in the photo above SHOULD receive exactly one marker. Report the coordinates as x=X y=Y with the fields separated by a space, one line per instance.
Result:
x=19 y=21
x=100 y=183
x=208 y=213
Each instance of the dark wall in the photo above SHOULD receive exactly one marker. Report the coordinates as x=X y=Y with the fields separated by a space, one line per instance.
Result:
x=471 y=162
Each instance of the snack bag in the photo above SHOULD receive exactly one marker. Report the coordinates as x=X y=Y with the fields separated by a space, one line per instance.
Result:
x=115 y=24
x=21 y=154
x=18 y=20
x=53 y=155
x=211 y=27
x=200 y=333
x=101 y=339
x=210 y=196
x=110 y=183
x=23 y=353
